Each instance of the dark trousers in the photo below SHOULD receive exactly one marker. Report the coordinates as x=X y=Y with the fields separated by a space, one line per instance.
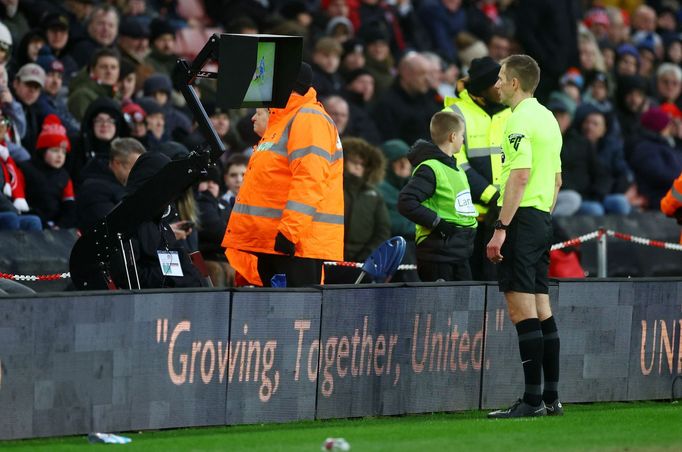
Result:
x=481 y=268
x=299 y=271
x=447 y=271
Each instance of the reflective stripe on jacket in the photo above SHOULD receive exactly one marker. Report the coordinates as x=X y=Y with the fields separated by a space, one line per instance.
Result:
x=481 y=155
x=293 y=185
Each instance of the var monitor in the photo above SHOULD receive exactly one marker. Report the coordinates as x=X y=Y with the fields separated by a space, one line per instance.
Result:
x=257 y=70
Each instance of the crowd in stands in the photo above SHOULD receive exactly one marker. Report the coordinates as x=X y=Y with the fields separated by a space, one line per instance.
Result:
x=79 y=76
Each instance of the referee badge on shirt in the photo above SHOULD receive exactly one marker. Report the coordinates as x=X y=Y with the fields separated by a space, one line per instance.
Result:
x=515 y=140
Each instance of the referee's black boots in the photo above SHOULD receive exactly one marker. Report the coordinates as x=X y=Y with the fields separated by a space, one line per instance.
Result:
x=520 y=409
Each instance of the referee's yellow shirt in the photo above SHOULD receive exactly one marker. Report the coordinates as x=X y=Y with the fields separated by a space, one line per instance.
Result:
x=532 y=140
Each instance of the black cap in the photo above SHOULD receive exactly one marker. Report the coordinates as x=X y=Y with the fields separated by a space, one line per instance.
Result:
x=304 y=80
x=159 y=27
x=373 y=33
x=133 y=28
x=483 y=74
x=55 y=20
x=149 y=105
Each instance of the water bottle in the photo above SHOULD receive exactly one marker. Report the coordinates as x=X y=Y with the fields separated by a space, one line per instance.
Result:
x=278 y=280
x=335 y=445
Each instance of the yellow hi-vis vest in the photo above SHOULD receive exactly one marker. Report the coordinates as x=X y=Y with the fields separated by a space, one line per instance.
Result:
x=482 y=147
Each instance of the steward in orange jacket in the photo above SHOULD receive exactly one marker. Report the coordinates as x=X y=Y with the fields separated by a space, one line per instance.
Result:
x=288 y=215
x=671 y=204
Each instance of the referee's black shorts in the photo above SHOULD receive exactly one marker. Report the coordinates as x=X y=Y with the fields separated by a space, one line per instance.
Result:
x=525 y=252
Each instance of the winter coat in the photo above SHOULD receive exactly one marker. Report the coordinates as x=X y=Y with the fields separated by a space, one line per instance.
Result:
x=390 y=189
x=49 y=192
x=83 y=91
x=422 y=185
x=97 y=195
x=404 y=116
x=581 y=169
x=656 y=164
x=366 y=219
x=213 y=217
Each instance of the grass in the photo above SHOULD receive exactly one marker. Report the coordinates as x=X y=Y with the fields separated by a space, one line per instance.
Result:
x=650 y=426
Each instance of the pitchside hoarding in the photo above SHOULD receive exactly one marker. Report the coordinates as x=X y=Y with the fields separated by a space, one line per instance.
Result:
x=148 y=360
x=272 y=367
x=395 y=350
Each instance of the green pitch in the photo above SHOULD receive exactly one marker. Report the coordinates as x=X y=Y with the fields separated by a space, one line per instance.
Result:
x=650 y=426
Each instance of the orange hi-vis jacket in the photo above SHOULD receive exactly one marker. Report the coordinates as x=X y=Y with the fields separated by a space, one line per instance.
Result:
x=294 y=185
x=673 y=199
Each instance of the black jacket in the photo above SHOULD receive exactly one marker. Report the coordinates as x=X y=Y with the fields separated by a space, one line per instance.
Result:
x=213 y=218
x=422 y=185
x=581 y=169
x=98 y=195
x=45 y=193
x=400 y=115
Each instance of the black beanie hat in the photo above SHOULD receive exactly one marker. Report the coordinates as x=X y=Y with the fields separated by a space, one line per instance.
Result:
x=482 y=74
x=304 y=80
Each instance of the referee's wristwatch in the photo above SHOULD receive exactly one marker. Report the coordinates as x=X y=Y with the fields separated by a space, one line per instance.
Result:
x=499 y=225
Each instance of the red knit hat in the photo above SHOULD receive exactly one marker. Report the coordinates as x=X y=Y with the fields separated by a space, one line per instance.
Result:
x=53 y=134
x=655 y=119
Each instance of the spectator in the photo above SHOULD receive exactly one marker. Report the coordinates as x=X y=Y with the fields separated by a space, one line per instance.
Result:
x=27 y=85
x=13 y=206
x=5 y=45
x=378 y=59
x=27 y=51
x=655 y=160
x=77 y=12
x=49 y=189
x=594 y=125
x=358 y=93
x=155 y=122
x=103 y=121
x=338 y=110
x=445 y=19
x=135 y=117
x=126 y=86
x=352 y=58
x=628 y=60
x=233 y=177
x=405 y=109
x=12 y=16
x=12 y=120
x=597 y=22
x=133 y=41
x=326 y=59
x=366 y=218
x=57 y=34
x=162 y=56
x=631 y=102
x=99 y=81
x=53 y=99
x=398 y=174
x=499 y=45
x=159 y=87
x=669 y=84
x=102 y=29
x=673 y=49
x=548 y=32
x=585 y=181
x=213 y=217
x=105 y=186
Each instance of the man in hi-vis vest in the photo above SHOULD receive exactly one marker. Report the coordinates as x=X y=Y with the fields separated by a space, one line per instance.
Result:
x=288 y=215
x=478 y=102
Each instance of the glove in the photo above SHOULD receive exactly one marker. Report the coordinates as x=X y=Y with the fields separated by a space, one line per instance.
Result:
x=4 y=152
x=7 y=189
x=445 y=229
x=284 y=245
x=21 y=205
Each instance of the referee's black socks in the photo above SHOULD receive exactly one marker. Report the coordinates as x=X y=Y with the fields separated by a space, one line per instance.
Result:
x=550 y=360
x=531 y=348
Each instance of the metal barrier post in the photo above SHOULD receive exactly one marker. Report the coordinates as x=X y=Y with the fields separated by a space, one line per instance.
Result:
x=601 y=254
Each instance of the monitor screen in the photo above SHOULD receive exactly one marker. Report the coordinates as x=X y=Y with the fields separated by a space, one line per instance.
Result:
x=260 y=88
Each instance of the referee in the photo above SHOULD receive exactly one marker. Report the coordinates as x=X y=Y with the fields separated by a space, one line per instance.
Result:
x=529 y=182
